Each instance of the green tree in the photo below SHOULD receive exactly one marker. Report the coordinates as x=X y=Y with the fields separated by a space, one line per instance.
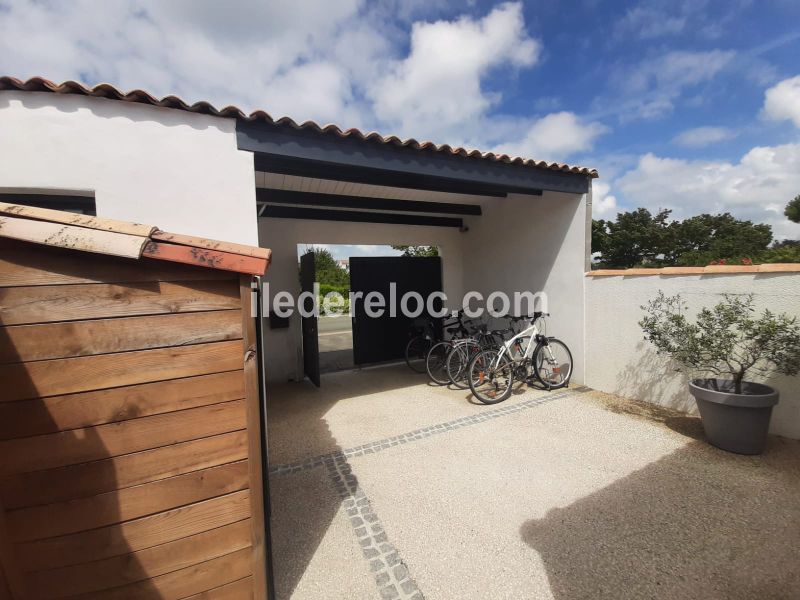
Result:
x=328 y=271
x=699 y=240
x=727 y=340
x=418 y=250
x=638 y=238
x=792 y=210
x=635 y=238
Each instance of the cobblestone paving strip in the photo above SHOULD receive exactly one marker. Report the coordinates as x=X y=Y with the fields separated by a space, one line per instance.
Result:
x=390 y=573
x=419 y=434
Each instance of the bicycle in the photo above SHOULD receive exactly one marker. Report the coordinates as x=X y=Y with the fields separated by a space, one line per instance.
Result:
x=436 y=360
x=426 y=336
x=465 y=350
x=491 y=373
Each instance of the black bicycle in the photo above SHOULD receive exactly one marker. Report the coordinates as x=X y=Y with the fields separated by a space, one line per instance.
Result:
x=425 y=334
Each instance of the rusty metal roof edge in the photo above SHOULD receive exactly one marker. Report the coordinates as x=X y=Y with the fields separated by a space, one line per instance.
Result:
x=108 y=91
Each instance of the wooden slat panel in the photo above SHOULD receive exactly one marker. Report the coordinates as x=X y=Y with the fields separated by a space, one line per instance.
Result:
x=23 y=264
x=100 y=476
x=40 y=416
x=151 y=562
x=213 y=259
x=135 y=535
x=179 y=584
x=52 y=520
x=47 y=304
x=11 y=576
x=197 y=242
x=71 y=375
x=238 y=590
x=77 y=238
x=104 y=441
x=5 y=594
x=68 y=218
x=254 y=426
x=24 y=343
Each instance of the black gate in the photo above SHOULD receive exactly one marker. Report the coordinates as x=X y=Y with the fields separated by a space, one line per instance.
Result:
x=377 y=339
x=309 y=324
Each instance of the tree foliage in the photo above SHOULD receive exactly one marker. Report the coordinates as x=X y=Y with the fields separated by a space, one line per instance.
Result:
x=328 y=271
x=418 y=250
x=639 y=238
x=792 y=210
x=727 y=340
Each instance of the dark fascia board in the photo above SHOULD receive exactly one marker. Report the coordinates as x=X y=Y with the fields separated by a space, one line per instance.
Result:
x=286 y=147
x=71 y=203
x=273 y=196
x=354 y=216
x=301 y=167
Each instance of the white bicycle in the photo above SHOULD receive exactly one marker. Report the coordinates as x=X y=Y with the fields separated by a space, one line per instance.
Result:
x=529 y=355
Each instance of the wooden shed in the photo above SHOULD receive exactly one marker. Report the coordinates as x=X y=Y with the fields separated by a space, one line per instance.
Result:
x=131 y=412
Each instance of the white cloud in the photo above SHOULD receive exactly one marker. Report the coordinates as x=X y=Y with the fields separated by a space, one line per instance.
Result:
x=755 y=188
x=351 y=62
x=200 y=50
x=604 y=205
x=654 y=85
x=782 y=101
x=438 y=87
x=651 y=20
x=555 y=137
x=703 y=136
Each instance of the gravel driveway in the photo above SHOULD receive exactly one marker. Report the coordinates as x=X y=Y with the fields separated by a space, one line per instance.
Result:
x=385 y=487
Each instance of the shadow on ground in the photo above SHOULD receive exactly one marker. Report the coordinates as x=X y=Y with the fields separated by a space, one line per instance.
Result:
x=698 y=523
x=305 y=504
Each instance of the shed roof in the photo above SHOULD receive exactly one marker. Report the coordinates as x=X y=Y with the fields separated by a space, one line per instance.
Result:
x=131 y=240
x=106 y=90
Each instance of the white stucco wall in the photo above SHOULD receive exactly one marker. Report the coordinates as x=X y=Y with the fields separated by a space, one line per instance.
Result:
x=177 y=170
x=283 y=346
x=534 y=243
x=620 y=361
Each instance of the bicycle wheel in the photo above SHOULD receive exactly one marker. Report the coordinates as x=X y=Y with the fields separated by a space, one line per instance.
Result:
x=436 y=362
x=552 y=364
x=416 y=352
x=489 y=380
x=458 y=362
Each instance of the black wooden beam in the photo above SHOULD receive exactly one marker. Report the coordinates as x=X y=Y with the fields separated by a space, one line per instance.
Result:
x=273 y=196
x=284 y=149
x=323 y=214
x=79 y=204
x=336 y=172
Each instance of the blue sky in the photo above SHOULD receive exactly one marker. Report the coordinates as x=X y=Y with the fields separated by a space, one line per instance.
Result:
x=693 y=106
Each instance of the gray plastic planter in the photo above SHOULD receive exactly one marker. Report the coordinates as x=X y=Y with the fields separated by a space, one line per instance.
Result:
x=735 y=422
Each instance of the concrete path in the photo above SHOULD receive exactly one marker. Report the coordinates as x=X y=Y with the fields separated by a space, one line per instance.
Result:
x=385 y=487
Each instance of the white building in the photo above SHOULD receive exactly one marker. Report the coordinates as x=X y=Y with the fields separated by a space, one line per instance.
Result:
x=501 y=223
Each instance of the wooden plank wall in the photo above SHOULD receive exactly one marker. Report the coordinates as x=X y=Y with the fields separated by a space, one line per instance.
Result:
x=129 y=429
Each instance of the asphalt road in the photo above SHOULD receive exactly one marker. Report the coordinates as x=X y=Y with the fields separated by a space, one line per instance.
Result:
x=335 y=333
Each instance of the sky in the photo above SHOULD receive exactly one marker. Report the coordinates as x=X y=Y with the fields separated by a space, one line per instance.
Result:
x=688 y=105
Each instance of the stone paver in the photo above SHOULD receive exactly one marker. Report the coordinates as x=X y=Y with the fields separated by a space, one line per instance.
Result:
x=561 y=495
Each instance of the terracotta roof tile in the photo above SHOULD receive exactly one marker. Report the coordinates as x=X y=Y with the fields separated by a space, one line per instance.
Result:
x=105 y=90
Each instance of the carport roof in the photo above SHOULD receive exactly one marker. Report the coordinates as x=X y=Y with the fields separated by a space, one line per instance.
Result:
x=105 y=90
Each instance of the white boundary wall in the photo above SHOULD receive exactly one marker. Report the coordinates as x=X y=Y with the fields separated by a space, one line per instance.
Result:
x=177 y=170
x=621 y=361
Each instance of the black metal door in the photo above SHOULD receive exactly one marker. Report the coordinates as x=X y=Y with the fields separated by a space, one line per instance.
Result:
x=309 y=324
x=377 y=339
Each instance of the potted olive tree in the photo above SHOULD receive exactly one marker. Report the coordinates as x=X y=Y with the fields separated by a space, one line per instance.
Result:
x=729 y=343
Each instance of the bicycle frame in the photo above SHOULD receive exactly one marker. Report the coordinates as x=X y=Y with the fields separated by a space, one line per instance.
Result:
x=534 y=340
